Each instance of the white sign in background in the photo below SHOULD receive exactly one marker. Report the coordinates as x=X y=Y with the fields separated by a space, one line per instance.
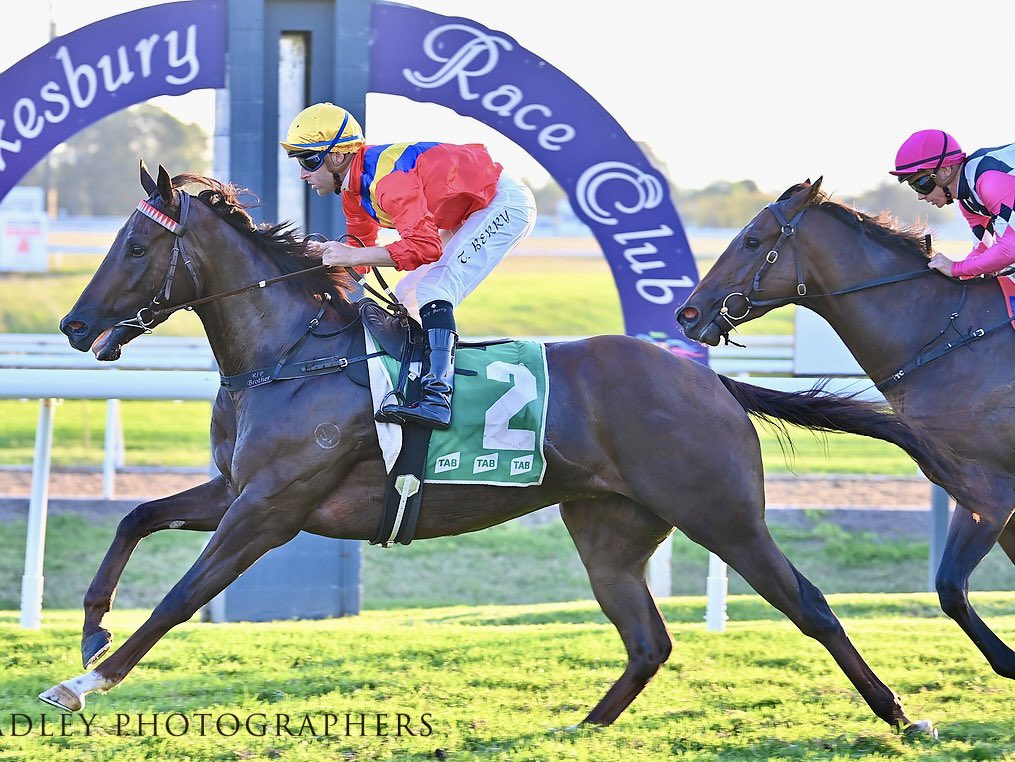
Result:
x=23 y=228
x=818 y=350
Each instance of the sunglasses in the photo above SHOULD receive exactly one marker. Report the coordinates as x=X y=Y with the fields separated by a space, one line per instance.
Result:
x=922 y=184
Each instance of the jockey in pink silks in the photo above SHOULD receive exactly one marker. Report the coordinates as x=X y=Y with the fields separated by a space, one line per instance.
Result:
x=983 y=183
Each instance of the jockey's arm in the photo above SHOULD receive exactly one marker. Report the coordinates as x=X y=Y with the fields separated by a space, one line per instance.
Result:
x=997 y=189
x=335 y=253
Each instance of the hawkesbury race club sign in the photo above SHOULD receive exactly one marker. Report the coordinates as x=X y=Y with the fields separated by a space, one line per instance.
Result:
x=79 y=78
x=173 y=48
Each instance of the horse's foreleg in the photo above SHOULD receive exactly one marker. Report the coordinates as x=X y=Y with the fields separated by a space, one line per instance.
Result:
x=615 y=538
x=749 y=548
x=970 y=538
x=250 y=528
x=199 y=508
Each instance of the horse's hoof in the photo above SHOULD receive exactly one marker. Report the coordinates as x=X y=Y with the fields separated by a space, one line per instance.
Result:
x=567 y=729
x=922 y=729
x=94 y=647
x=63 y=698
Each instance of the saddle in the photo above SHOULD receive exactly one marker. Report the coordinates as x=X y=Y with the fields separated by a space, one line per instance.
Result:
x=390 y=332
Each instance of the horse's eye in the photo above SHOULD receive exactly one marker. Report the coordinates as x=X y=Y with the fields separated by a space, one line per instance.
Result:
x=137 y=250
x=752 y=243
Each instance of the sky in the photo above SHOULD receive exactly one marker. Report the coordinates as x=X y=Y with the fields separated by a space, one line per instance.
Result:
x=771 y=90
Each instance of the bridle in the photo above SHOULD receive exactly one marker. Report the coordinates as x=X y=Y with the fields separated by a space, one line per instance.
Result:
x=788 y=229
x=149 y=315
x=923 y=356
x=157 y=310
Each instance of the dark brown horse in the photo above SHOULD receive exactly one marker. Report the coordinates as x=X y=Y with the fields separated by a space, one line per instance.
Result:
x=940 y=350
x=637 y=442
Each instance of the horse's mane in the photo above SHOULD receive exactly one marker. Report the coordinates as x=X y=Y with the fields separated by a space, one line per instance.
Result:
x=280 y=241
x=883 y=228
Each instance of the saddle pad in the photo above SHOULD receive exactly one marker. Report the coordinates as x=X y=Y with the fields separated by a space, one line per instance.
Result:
x=1007 y=283
x=499 y=420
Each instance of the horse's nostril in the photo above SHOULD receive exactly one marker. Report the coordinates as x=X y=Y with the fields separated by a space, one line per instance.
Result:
x=688 y=316
x=74 y=326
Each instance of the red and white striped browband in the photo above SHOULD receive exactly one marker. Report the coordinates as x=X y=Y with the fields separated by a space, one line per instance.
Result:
x=160 y=217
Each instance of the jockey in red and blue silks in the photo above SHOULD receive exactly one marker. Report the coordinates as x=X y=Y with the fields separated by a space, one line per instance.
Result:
x=457 y=215
x=983 y=182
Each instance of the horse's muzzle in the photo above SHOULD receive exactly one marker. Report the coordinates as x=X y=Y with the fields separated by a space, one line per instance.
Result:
x=695 y=327
x=77 y=332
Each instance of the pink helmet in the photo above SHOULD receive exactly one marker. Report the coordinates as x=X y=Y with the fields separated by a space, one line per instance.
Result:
x=927 y=149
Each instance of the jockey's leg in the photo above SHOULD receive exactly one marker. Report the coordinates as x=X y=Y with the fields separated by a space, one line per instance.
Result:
x=433 y=408
x=469 y=256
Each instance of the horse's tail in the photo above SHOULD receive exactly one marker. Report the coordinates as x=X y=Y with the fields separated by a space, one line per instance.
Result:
x=819 y=410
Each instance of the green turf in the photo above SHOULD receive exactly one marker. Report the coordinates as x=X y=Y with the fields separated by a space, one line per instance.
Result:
x=507 y=683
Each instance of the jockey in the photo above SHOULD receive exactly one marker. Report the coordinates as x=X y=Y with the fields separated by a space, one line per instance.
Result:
x=934 y=165
x=456 y=212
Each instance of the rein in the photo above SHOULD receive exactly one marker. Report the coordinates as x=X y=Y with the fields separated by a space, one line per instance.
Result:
x=788 y=230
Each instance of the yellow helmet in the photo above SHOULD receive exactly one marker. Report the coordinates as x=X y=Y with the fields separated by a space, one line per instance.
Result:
x=321 y=128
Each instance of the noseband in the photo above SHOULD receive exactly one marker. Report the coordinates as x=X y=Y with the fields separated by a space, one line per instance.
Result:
x=147 y=316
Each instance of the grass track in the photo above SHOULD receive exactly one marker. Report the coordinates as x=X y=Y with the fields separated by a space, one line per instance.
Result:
x=497 y=683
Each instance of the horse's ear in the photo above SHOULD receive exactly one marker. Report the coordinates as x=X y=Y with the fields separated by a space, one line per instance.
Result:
x=165 y=186
x=147 y=181
x=802 y=194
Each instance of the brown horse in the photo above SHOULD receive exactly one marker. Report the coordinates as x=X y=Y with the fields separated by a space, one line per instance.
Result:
x=939 y=349
x=637 y=442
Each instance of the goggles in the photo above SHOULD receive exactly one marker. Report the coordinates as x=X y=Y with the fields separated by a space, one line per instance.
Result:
x=313 y=160
x=923 y=184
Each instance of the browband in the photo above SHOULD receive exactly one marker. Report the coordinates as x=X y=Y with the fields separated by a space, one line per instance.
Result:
x=160 y=217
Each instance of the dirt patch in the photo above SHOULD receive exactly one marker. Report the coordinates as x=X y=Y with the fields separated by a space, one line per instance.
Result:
x=888 y=507
x=780 y=491
x=88 y=484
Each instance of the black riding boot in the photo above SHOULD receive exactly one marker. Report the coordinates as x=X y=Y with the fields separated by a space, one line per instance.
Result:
x=433 y=409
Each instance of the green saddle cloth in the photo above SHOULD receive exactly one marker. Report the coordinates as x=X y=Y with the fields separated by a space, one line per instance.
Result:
x=498 y=419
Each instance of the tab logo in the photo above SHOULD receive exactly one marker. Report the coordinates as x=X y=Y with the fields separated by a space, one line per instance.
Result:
x=485 y=463
x=448 y=462
x=521 y=465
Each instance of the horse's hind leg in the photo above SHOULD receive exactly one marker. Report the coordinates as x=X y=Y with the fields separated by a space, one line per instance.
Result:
x=615 y=538
x=747 y=546
x=199 y=508
x=970 y=538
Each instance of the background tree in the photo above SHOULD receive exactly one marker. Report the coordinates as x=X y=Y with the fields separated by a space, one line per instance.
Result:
x=902 y=203
x=96 y=171
x=547 y=197
x=722 y=204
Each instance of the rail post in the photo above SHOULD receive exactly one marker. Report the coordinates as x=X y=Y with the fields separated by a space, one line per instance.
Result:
x=35 y=541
